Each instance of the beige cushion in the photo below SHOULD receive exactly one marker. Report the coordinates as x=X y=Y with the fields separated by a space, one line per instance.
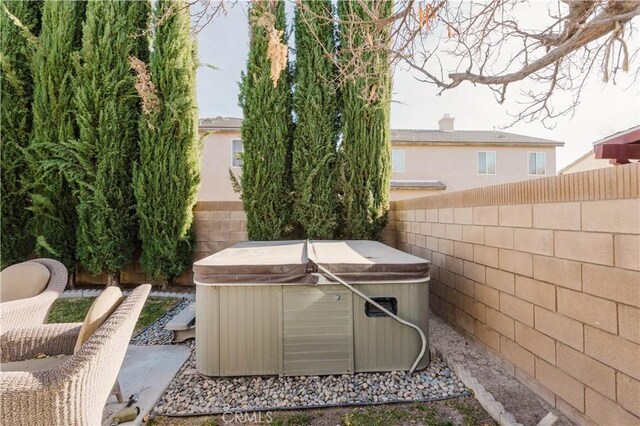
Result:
x=100 y=310
x=35 y=364
x=23 y=280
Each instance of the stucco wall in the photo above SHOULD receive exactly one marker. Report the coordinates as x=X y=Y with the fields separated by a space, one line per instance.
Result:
x=456 y=166
x=588 y=163
x=545 y=275
x=215 y=184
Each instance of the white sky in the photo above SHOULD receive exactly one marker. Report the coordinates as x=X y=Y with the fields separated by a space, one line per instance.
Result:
x=604 y=109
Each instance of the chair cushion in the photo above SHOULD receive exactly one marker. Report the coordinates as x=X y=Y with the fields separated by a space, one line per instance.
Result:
x=100 y=310
x=35 y=364
x=23 y=280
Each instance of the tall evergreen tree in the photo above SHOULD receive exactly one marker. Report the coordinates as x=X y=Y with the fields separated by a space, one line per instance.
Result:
x=19 y=21
x=167 y=174
x=316 y=132
x=266 y=128
x=108 y=111
x=53 y=206
x=365 y=170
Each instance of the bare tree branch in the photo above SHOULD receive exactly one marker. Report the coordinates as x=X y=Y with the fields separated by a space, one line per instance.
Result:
x=485 y=42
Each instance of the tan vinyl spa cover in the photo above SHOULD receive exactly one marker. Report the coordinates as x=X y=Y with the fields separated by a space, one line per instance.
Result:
x=277 y=262
x=361 y=260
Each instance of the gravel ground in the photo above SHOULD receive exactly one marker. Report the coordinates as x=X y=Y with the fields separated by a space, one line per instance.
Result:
x=156 y=334
x=192 y=393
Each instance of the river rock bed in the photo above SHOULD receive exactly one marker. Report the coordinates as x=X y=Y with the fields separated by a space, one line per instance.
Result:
x=192 y=393
x=156 y=334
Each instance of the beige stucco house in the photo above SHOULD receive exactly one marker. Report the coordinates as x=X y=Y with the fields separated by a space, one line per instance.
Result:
x=424 y=162
x=618 y=148
x=220 y=149
x=585 y=162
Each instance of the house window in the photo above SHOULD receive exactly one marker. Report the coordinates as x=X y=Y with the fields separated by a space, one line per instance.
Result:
x=397 y=160
x=236 y=153
x=486 y=163
x=537 y=163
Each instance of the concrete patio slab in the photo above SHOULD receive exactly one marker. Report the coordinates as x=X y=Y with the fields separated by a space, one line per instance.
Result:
x=146 y=371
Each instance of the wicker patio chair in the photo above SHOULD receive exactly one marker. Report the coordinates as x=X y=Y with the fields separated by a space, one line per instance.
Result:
x=75 y=391
x=33 y=311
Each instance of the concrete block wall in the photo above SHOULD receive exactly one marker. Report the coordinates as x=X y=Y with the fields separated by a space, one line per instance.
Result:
x=219 y=224
x=545 y=275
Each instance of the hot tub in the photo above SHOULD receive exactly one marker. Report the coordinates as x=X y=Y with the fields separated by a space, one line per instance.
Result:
x=263 y=308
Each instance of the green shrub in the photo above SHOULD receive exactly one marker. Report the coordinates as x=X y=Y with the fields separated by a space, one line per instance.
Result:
x=266 y=130
x=100 y=162
x=315 y=205
x=53 y=205
x=167 y=175
x=19 y=23
x=365 y=170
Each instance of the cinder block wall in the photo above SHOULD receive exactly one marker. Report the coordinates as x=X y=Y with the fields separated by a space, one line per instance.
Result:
x=219 y=224
x=545 y=275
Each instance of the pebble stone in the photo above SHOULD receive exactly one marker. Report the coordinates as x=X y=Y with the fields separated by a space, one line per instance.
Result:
x=156 y=334
x=193 y=393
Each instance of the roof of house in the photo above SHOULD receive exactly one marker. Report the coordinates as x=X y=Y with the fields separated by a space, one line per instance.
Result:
x=220 y=123
x=627 y=136
x=620 y=147
x=472 y=137
x=417 y=136
x=576 y=161
x=417 y=184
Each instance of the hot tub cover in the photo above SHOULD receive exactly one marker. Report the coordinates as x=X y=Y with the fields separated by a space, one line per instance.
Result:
x=273 y=262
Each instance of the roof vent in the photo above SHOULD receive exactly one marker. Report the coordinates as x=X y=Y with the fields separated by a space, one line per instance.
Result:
x=446 y=123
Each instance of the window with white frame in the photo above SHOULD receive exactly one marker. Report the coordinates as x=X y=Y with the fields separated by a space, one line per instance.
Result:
x=397 y=160
x=236 y=153
x=537 y=163
x=486 y=162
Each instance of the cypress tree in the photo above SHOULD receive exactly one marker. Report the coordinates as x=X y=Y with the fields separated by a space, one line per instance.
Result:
x=53 y=206
x=167 y=175
x=19 y=21
x=266 y=128
x=365 y=170
x=108 y=111
x=316 y=110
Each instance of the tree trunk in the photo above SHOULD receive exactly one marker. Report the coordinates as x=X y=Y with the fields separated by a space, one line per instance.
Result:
x=113 y=279
x=71 y=281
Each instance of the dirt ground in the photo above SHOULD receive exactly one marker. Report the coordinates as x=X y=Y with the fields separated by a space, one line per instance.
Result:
x=463 y=411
